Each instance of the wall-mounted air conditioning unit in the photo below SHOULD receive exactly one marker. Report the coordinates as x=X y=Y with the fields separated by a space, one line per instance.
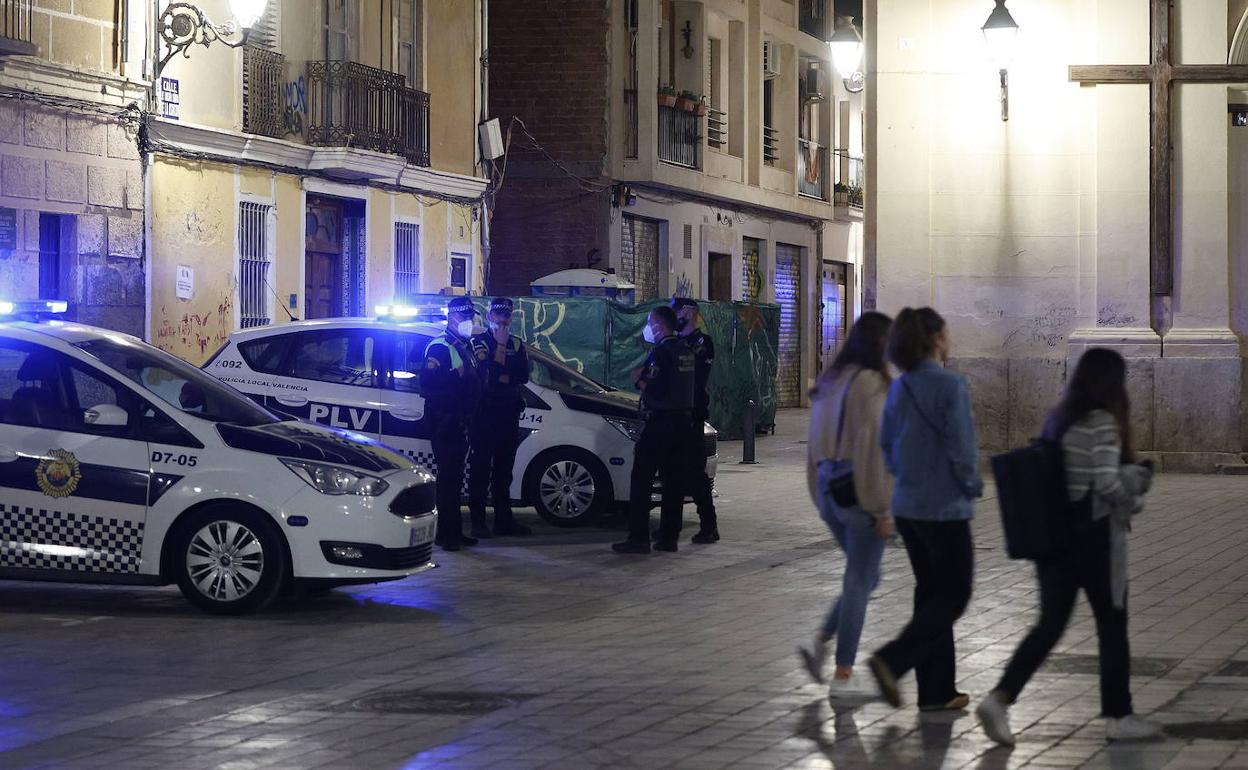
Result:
x=771 y=59
x=816 y=85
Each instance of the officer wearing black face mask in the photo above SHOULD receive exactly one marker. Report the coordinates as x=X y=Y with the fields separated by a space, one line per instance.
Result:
x=699 y=483
x=666 y=384
x=495 y=434
x=451 y=384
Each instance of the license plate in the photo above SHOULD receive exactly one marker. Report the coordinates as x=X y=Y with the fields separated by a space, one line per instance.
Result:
x=423 y=532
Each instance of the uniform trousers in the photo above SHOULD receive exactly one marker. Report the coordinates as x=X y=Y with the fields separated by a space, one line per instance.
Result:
x=493 y=438
x=660 y=449
x=450 y=447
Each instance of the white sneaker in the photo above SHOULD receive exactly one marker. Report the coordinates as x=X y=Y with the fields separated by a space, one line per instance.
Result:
x=1131 y=728
x=814 y=658
x=994 y=717
x=852 y=688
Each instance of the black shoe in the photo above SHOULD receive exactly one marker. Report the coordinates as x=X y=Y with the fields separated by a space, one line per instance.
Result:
x=630 y=546
x=665 y=545
x=958 y=702
x=512 y=529
x=886 y=679
x=481 y=531
x=706 y=537
x=469 y=540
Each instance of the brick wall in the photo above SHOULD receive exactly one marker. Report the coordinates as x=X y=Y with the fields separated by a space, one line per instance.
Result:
x=549 y=66
x=62 y=161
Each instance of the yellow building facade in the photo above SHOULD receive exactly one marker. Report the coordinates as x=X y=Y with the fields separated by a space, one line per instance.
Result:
x=326 y=166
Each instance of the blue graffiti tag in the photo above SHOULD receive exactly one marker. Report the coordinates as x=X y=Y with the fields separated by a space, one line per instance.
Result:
x=296 y=105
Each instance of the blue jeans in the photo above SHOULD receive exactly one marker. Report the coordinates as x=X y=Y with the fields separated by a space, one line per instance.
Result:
x=854 y=531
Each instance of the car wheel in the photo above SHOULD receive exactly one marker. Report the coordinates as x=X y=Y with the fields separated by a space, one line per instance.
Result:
x=568 y=486
x=229 y=561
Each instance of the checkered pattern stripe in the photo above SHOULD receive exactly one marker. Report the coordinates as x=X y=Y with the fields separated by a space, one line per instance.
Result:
x=36 y=538
x=426 y=460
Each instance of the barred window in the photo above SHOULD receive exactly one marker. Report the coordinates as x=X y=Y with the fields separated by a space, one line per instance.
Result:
x=406 y=261
x=253 y=264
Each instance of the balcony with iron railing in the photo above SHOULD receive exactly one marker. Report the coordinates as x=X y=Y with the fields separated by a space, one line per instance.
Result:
x=15 y=28
x=716 y=128
x=771 y=145
x=850 y=179
x=812 y=170
x=680 y=136
x=347 y=104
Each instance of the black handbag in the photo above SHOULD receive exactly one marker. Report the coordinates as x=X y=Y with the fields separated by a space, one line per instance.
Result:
x=842 y=488
x=1037 y=516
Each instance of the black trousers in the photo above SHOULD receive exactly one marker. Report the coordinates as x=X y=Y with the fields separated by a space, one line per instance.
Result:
x=942 y=557
x=661 y=449
x=1086 y=567
x=450 y=446
x=698 y=483
x=493 y=439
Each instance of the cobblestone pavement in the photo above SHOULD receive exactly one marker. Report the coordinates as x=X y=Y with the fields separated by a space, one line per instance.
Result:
x=554 y=652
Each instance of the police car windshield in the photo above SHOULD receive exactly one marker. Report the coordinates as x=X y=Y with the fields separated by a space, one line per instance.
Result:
x=178 y=384
x=556 y=375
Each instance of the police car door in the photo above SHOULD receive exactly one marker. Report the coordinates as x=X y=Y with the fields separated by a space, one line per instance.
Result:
x=403 y=423
x=73 y=484
x=330 y=376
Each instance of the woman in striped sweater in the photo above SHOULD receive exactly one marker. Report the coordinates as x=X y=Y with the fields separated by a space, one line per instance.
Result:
x=1093 y=424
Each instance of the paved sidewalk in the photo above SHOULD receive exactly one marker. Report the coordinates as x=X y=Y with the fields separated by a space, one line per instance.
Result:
x=554 y=652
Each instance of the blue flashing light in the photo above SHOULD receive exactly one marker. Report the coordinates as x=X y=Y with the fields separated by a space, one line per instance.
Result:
x=34 y=310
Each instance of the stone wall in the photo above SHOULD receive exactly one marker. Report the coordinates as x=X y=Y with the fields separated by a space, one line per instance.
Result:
x=61 y=161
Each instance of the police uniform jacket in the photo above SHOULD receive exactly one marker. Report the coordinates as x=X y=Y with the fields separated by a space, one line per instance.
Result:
x=501 y=384
x=703 y=357
x=668 y=376
x=449 y=378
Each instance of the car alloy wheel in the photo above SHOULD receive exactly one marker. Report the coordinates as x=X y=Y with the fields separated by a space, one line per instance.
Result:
x=225 y=560
x=567 y=489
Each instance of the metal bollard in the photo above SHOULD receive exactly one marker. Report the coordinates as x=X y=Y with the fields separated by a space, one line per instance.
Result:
x=748 y=431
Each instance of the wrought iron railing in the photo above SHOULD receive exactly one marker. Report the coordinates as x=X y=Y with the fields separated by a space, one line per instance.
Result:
x=354 y=105
x=716 y=128
x=771 y=145
x=15 y=28
x=850 y=177
x=812 y=170
x=679 y=136
x=814 y=18
x=263 y=108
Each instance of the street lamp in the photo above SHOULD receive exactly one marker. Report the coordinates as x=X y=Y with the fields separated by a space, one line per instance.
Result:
x=182 y=25
x=1000 y=32
x=846 y=48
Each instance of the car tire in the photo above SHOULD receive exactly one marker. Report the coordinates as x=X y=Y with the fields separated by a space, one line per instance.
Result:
x=569 y=487
x=229 y=560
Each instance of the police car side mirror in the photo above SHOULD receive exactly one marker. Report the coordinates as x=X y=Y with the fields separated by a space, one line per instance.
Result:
x=106 y=416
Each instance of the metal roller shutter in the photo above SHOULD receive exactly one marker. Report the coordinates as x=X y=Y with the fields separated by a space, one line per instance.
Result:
x=640 y=255
x=788 y=297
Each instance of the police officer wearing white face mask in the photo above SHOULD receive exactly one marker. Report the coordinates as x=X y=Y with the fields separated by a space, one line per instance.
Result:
x=666 y=384
x=450 y=382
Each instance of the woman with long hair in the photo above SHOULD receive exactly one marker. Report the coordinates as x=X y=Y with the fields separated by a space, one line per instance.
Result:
x=844 y=448
x=928 y=437
x=1093 y=424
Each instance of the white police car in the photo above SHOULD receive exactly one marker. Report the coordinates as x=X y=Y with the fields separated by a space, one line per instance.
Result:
x=576 y=450
x=120 y=463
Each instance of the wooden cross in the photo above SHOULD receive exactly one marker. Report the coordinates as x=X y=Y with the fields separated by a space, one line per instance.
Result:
x=1161 y=75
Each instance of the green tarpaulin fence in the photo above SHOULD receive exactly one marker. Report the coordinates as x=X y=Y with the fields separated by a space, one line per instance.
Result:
x=602 y=339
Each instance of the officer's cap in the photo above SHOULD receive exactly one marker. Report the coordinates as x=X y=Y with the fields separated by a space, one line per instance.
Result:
x=461 y=305
x=501 y=305
x=679 y=302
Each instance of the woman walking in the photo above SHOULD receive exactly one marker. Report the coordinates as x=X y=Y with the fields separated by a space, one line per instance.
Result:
x=1093 y=425
x=928 y=437
x=844 y=461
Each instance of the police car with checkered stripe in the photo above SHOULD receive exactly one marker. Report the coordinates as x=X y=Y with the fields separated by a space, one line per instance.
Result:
x=120 y=463
x=361 y=374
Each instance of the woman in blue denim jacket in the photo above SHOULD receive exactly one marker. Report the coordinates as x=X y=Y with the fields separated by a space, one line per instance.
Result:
x=928 y=437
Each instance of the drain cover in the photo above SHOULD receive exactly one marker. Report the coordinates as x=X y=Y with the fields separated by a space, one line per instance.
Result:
x=422 y=702
x=1088 y=664
x=1231 y=730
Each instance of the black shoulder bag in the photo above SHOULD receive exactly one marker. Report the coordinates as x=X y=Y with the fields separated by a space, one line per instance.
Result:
x=842 y=488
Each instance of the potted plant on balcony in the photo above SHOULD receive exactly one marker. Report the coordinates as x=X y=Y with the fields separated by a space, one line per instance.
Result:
x=840 y=195
x=687 y=101
x=667 y=96
x=701 y=107
x=855 y=196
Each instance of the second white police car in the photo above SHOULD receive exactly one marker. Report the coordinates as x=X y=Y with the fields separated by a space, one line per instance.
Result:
x=120 y=463
x=360 y=374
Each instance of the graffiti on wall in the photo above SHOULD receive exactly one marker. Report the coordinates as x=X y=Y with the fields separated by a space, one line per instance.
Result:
x=295 y=106
x=195 y=333
x=684 y=286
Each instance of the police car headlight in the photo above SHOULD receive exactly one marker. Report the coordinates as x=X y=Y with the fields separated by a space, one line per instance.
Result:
x=335 y=480
x=630 y=428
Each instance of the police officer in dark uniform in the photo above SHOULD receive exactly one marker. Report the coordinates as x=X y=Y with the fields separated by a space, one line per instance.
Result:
x=451 y=384
x=495 y=434
x=666 y=384
x=698 y=483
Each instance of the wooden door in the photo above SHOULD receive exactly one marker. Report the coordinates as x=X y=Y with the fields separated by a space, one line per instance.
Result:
x=323 y=285
x=719 y=277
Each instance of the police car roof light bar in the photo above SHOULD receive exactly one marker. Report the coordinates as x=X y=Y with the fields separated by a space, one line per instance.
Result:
x=34 y=310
